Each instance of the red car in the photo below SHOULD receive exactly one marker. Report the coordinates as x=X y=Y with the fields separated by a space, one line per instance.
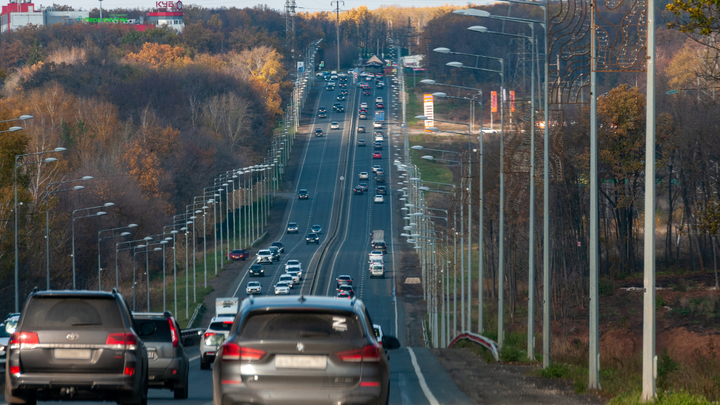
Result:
x=377 y=155
x=238 y=254
x=379 y=106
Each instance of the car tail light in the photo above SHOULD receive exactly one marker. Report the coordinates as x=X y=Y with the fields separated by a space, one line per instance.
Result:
x=15 y=370
x=208 y=334
x=369 y=384
x=232 y=352
x=173 y=333
x=129 y=370
x=128 y=340
x=368 y=354
x=22 y=339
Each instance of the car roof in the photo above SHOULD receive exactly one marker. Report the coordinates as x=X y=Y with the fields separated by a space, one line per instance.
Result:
x=254 y=283
x=307 y=302
x=222 y=319
x=75 y=294
x=303 y=189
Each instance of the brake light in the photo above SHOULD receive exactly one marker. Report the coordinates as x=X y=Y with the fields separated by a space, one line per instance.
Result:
x=226 y=322
x=368 y=354
x=208 y=334
x=128 y=340
x=232 y=352
x=173 y=333
x=129 y=370
x=22 y=339
x=15 y=370
x=369 y=384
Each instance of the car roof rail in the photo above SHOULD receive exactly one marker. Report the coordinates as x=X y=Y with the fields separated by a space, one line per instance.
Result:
x=352 y=302
x=252 y=299
x=302 y=298
x=35 y=290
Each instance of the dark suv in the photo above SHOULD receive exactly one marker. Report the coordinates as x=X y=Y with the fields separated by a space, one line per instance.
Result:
x=312 y=238
x=302 y=350
x=168 y=364
x=76 y=345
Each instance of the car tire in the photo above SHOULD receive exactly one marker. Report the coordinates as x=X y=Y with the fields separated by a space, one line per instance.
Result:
x=142 y=398
x=30 y=400
x=181 y=391
x=204 y=365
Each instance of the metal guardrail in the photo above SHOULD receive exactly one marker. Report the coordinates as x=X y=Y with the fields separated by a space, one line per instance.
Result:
x=192 y=319
x=479 y=339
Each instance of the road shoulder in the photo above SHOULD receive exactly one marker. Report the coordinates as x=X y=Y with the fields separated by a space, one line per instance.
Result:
x=499 y=383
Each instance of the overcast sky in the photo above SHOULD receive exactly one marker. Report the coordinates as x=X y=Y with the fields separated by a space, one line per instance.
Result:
x=302 y=5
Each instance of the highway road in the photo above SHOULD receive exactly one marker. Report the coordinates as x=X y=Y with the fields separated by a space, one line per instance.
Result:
x=329 y=169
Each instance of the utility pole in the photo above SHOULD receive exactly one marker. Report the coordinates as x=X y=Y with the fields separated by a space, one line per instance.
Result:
x=290 y=27
x=337 y=28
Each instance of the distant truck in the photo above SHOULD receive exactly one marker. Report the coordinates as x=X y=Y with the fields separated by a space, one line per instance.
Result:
x=380 y=116
x=378 y=241
x=228 y=306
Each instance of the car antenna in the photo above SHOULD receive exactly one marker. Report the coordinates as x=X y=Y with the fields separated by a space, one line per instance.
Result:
x=352 y=302
x=302 y=298
x=252 y=299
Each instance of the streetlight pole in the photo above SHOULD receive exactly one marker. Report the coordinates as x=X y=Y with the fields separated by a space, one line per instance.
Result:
x=99 y=213
x=17 y=219
x=111 y=236
x=48 y=191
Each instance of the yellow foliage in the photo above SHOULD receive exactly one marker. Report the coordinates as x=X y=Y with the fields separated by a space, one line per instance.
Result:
x=160 y=55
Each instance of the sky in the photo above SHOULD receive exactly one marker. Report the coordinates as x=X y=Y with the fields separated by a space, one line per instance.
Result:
x=302 y=5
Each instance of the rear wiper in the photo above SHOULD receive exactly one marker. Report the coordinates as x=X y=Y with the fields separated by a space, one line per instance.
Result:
x=85 y=324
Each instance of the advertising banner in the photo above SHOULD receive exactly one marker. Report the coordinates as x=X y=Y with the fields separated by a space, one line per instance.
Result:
x=300 y=67
x=493 y=101
x=429 y=112
x=512 y=101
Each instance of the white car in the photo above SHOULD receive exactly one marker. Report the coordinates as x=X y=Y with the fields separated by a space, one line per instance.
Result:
x=293 y=265
x=379 y=199
x=378 y=99
x=288 y=279
x=282 y=288
x=213 y=338
x=254 y=287
x=377 y=269
x=377 y=124
x=379 y=138
x=334 y=125
x=316 y=229
x=264 y=256
x=295 y=276
x=375 y=168
x=363 y=175
x=363 y=105
x=375 y=254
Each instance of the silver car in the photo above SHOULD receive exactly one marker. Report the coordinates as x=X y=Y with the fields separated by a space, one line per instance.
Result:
x=213 y=337
x=282 y=288
x=264 y=256
x=311 y=350
x=254 y=287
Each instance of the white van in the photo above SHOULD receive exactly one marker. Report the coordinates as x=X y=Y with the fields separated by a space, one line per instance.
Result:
x=377 y=269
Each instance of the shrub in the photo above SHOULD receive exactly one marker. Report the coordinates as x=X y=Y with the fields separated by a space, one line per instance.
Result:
x=509 y=353
x=555 y=371
x=606 y=287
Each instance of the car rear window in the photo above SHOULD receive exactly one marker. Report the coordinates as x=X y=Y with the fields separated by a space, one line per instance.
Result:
x=221 y=326
x=49 y=313
x=161 y=330
x=301 y=325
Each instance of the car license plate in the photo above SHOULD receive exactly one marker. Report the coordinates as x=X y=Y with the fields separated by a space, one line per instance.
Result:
x=73 y=354
x=305 y=362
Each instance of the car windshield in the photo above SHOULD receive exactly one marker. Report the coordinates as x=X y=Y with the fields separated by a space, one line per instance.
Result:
x=237 y=251
x=302 y=325
x=293 y=262
x=292 y=224
x=264 y=252
x=48 y=313
x=160 y=330
x=281 y=284
x=254 y=284
x=221 y=326
x=256 y=267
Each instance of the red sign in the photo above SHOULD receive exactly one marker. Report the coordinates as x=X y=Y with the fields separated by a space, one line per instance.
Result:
x=176 y=5
x=512 y=101
x=493 y=101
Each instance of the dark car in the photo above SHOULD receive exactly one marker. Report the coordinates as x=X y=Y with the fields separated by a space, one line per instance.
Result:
x=366 y=92
x=303 y=194
x=377 y=145
x=343 y=280
x=238 y=254
x=292 y=227
x=318 y=132
x=340 y=97
x=322 y=110
x=312 y=238
x=343 y=294
x=257 y=270
x=168 y=363
x=76 y=345
x=379 y=245
x=318 y=349
x=361 y=128
x=360 y=142
x=279 y=245
x=358 y=190
x=381 y=190
x=340 y=109
x=322 y=114
x=364 y=186
x=336 y=105
x=380 y=178
x=347 y=289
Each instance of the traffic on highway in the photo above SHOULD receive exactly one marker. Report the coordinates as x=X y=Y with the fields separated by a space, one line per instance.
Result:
x=309 y=319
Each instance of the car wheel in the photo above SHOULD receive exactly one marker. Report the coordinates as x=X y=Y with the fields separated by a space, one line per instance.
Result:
x=181 y=391
x=204 y=365
x=30 y=400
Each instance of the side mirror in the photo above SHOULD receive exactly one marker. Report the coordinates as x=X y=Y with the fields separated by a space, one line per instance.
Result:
x=390 y=342
x=147 y=329
x=189 y=342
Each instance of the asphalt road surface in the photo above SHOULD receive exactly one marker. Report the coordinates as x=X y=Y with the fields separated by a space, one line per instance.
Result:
x=330 y=168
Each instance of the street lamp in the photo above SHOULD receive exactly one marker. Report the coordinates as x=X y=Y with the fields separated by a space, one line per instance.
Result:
x=48 y=191
x=17 y=263
x=20 y=118
x=106 y=237
x=97 y=214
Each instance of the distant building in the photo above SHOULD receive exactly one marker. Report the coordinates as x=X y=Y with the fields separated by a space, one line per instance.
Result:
x=19 y=14
x=168 y=13
x=374 y=65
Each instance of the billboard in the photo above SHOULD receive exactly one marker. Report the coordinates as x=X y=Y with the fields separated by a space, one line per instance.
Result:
x=301 y=67
x=493 y=101
x=429 y=112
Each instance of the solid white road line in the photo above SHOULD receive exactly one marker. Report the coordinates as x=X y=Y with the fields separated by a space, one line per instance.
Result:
x=421 y=380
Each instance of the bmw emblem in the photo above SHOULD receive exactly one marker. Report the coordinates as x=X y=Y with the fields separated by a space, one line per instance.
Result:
x=72 y=336
x=300 y=347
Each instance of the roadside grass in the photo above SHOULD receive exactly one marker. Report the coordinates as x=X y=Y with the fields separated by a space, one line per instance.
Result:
x=414 y=106
x=437 y=172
